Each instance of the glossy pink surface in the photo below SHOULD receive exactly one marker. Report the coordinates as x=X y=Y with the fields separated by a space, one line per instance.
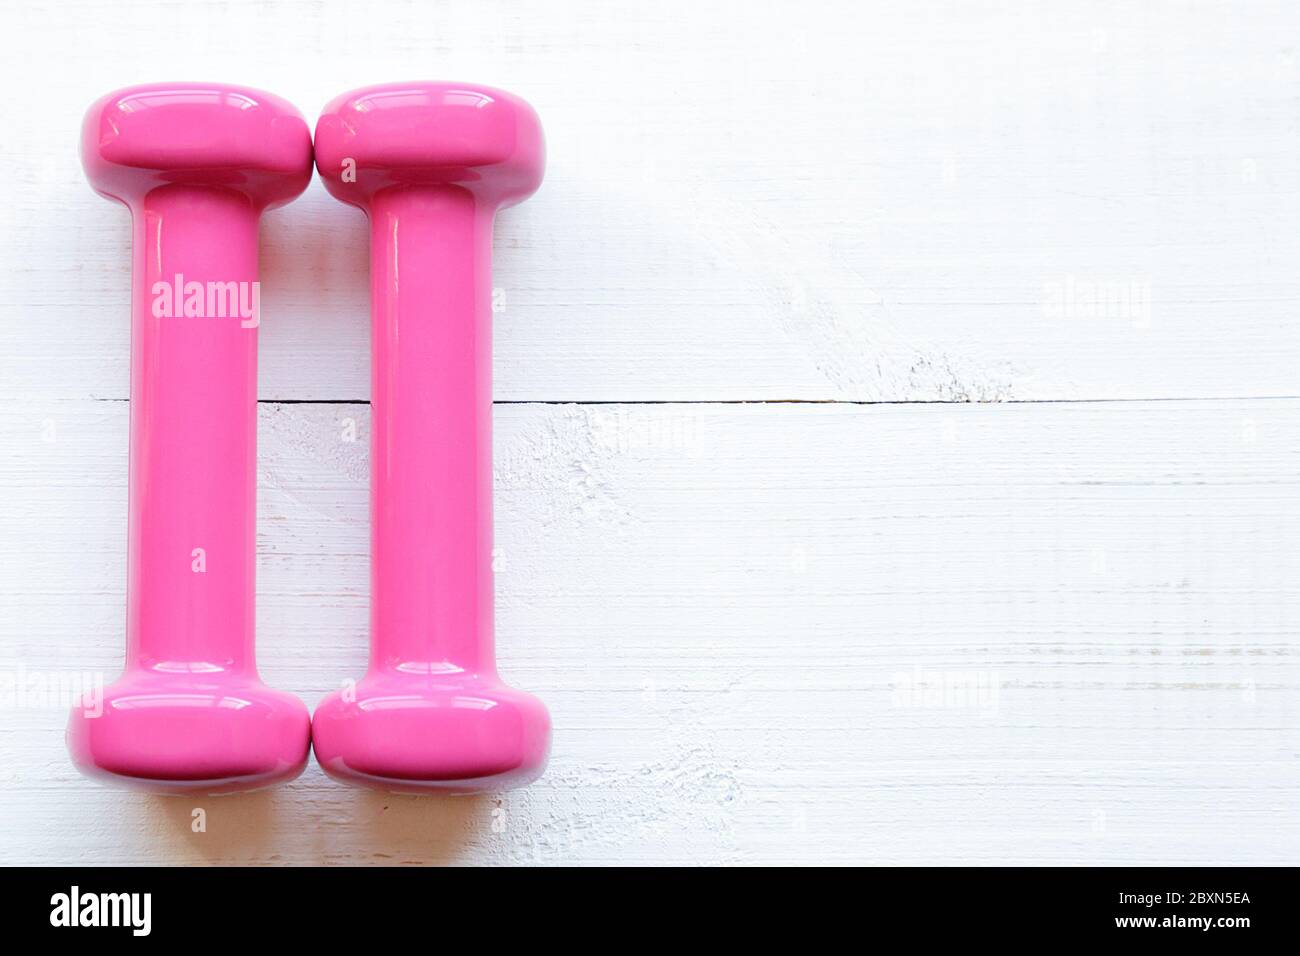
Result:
x=196 y=164
x=433 y=163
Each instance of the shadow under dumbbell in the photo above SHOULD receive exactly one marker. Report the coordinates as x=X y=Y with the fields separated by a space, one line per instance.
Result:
x=408 y=830
x=222 y=830
x=384 y=829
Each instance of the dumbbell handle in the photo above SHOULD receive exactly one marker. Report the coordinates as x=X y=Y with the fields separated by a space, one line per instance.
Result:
x=431 y=452
x=193 y=435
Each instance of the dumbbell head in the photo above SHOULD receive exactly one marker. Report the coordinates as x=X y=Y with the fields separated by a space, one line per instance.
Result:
x=202 y=134
x=410 y=134
x=182 y=732
x=409 y=732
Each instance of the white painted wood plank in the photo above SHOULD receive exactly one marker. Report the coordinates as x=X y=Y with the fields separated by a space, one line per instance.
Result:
x=900 y=201
x=1057 y=633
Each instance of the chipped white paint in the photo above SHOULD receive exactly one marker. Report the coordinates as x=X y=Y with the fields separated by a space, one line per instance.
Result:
x=1032 y=631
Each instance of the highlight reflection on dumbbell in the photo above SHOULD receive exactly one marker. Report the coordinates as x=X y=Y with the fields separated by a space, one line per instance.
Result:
x=430 y=164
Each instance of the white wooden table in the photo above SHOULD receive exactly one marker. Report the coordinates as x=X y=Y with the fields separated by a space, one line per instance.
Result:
x=898 y=438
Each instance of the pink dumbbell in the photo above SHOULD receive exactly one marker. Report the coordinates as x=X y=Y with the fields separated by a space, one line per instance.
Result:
x=431 y=163
x=196 y=164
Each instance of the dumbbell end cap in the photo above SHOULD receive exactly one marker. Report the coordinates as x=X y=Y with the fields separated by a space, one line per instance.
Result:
x=168 y=732
x=137 y=139
x=419 y=734
x=421 y=133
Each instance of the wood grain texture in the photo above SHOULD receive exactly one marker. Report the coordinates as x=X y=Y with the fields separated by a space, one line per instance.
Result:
x=876 y=202
x=1039 y=607
x=778 y=633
